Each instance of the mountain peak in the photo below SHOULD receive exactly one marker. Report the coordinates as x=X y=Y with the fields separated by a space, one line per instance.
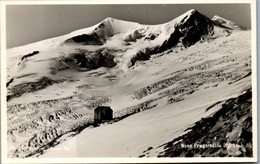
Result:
x=192 y=11
x=184 y=17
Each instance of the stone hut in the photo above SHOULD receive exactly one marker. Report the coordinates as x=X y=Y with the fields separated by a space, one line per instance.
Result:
x=103 y=113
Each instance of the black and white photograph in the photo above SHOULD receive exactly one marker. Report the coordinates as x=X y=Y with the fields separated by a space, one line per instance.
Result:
x=165 y=81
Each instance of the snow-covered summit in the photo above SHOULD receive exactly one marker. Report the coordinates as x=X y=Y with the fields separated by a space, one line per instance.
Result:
x=107 y=28
x=118 y=26
x=189 y=12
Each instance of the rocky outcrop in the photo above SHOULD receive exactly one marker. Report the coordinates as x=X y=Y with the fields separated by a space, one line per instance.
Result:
x=141 y=55
x=20 y=89
x=9 y=82
x=228 y=133
x=188 y=31
x=30 y=54
x=86 y=39
x=84 y=60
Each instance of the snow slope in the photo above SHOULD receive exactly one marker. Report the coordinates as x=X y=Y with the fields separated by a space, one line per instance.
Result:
x=160 y=76
x=152 y=128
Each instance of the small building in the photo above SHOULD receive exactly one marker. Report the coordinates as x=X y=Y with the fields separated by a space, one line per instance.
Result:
x=102 y=114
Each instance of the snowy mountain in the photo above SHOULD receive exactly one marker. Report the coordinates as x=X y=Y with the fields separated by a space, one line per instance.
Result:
x=106 y=39
x=158 y=79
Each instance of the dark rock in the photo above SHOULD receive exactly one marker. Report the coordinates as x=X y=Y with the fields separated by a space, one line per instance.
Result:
x=86 y=39
x=20 y=89
x=85 y=60
x=211 y=129
x=189 y=31
x=9 y=82
x=29 y=55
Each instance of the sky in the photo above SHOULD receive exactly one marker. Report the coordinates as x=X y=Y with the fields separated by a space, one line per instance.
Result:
x=30 y=23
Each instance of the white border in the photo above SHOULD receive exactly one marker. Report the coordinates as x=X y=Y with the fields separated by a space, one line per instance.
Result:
x=125 y=160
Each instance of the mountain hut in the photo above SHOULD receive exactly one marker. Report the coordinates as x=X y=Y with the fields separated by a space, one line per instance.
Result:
x=103 y=114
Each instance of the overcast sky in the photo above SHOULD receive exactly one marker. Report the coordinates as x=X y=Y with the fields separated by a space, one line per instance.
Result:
x=30 y=23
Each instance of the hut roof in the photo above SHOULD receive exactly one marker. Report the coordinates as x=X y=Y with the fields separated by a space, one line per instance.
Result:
x=103 y=108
